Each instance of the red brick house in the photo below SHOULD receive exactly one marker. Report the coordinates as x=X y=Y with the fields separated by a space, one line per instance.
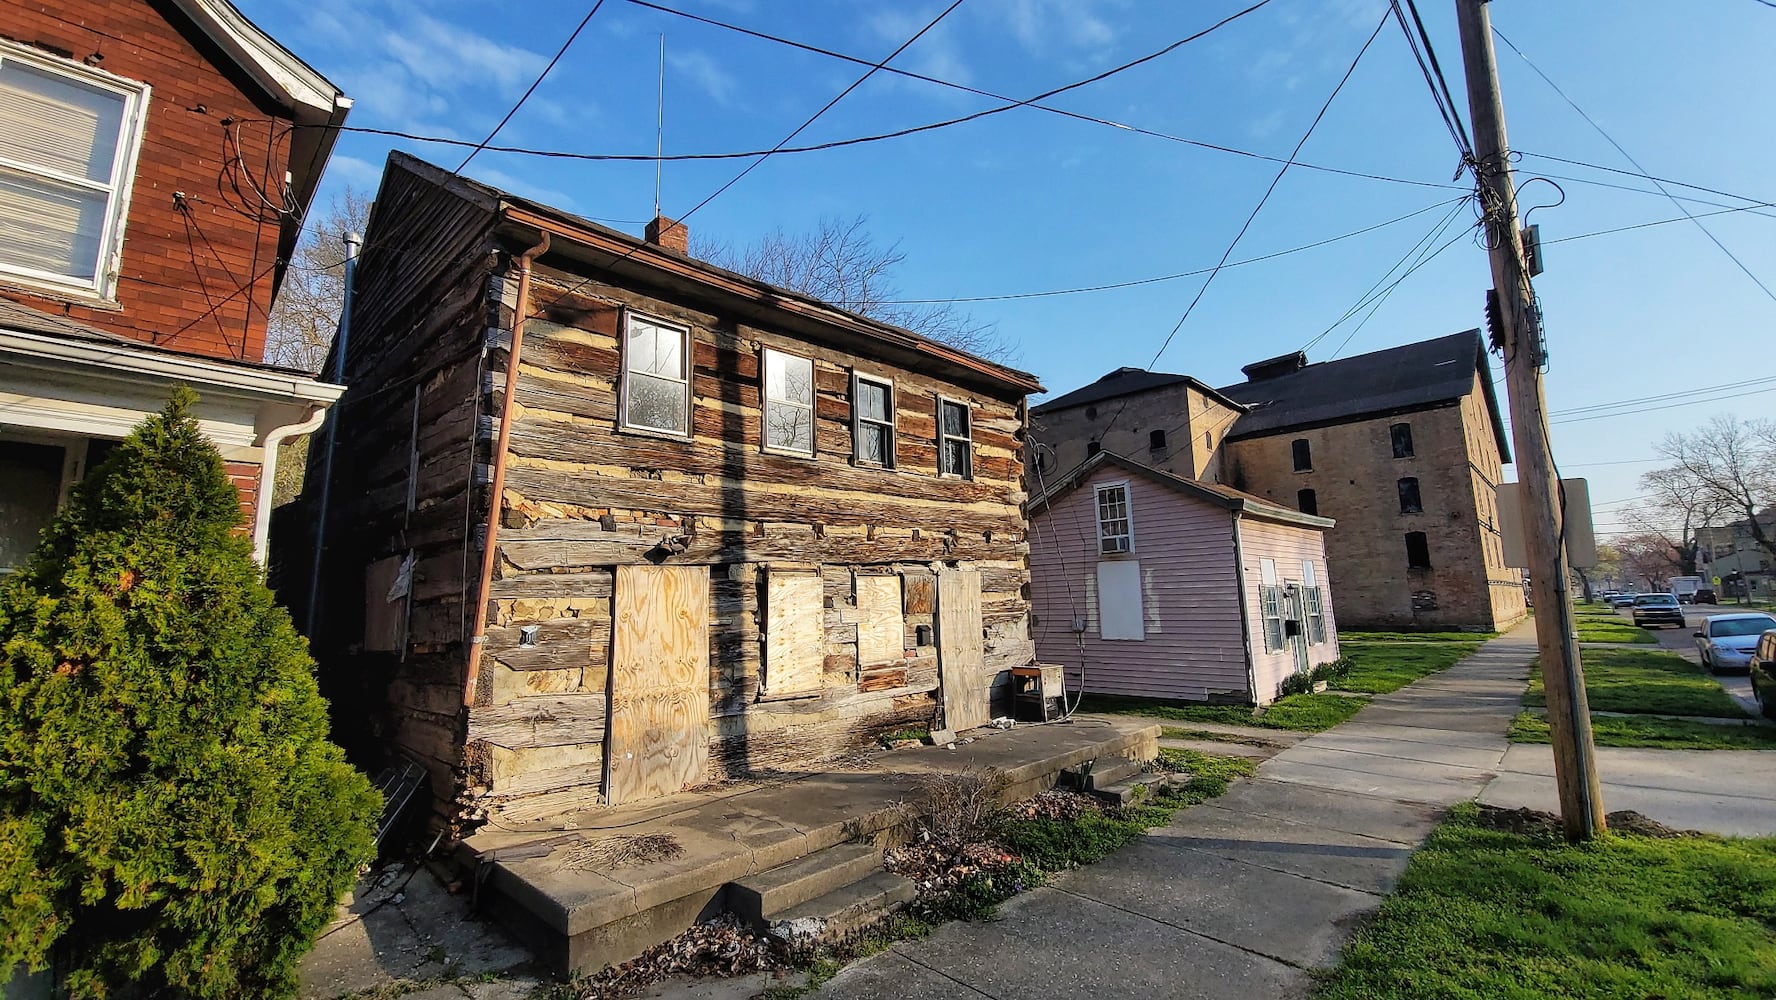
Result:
x=156 y=157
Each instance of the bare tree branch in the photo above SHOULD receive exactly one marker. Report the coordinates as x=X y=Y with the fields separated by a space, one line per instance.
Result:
x=1728 y=468
x=840 y=262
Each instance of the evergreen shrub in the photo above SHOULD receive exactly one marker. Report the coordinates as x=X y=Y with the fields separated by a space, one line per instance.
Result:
x=173 y=819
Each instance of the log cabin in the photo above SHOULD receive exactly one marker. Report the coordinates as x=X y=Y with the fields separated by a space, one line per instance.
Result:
x=609 y=522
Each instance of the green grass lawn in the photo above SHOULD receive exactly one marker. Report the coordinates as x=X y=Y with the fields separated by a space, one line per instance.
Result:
x=1635 y=680
x=1658 y=734
x=1348 y=635
x=1308 y=713
x=1380 y=667
x=1484 y=913
x=1596 y=628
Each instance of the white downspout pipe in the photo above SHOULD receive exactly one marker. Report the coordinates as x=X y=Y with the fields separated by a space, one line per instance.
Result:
x=268 y=478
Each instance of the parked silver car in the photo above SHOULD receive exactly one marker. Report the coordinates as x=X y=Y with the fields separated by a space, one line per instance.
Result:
x=1727 y=641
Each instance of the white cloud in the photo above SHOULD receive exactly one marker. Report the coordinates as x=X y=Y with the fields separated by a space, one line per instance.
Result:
x=521 y=187
x=936 y=53
x=1048 y=25
x=353 y=172
x=450 y=58
x=704 y=72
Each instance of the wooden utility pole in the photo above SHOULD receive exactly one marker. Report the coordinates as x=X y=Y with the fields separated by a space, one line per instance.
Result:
x=1569 y=716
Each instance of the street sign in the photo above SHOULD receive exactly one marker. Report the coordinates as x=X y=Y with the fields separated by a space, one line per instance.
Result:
x=1581 y=539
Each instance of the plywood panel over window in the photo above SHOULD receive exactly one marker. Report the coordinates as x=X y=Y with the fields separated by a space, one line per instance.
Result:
x=881 y=631
x=795 y=632
x=1121 y=614
x=659 y=694
x=961 y=656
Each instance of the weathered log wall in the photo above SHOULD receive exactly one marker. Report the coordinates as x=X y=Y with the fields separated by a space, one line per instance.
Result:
x=582 y=497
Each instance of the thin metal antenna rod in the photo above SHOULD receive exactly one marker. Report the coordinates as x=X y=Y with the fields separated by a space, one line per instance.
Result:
x=660 y=125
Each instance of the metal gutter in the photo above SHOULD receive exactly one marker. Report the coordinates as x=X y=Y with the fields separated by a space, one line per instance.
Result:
x=41 y=351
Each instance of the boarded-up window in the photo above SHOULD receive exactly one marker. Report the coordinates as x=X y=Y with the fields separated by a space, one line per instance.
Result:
x=795 y=631
x=1121 y=614
x=881 y=631
x=386 y=584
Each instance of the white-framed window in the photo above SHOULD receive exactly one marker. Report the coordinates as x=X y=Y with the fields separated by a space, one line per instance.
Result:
x=955 y=439
x=69 y=135
x=1270 y=601
x=1313 y=600
x=789 y=403
x=1116 y=526
x=872 y=420
x=656 y=396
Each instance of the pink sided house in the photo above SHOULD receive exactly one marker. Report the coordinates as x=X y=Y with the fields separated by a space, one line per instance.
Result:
x=1151 y=585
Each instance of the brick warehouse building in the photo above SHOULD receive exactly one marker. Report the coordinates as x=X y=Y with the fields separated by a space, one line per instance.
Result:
x=156 y=157
x=1402 y=447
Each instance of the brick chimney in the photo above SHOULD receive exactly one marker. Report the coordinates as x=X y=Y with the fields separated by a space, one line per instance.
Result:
x=664 y=232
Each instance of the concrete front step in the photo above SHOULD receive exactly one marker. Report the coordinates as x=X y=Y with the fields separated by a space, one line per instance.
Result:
x=1104 y=771
x=762 y=897
x=844 y=910
x=1137 y=788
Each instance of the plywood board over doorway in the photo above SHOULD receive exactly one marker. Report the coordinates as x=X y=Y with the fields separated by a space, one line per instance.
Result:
x=659 y=682
x=961 y=653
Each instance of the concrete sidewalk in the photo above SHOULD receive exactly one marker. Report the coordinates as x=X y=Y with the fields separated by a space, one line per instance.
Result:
x=1246 y=895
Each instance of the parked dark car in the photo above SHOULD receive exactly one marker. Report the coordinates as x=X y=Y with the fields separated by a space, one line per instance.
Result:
x=1763 y=673
x=1707 y=596
x=1658 y=609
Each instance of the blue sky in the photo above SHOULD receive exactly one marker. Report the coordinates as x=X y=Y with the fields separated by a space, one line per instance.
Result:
x=1028 y=201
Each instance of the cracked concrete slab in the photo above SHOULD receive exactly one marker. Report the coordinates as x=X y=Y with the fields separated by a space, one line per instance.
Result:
x=1052 y=945
x=1353 y=861
x=1717 y=791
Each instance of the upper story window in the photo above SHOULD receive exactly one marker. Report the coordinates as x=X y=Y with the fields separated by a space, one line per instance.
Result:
x=872 y=411
x=1115 y=525
x=789 y=403
x=1156 y=440
x=1401 y=436
x=1303 y=455
x=68 y=141
x=955 y=439
x=656 y=376
x=1092 y=448
x=1410 y=502
x=1418 y=550
x=1307 y=501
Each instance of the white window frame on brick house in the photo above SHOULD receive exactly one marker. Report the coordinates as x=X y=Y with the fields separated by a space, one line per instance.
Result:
x=682 y=379
x=966 y=438
x=1116 y=529
x=778 y=406
x=44 y=178
x=859 y=422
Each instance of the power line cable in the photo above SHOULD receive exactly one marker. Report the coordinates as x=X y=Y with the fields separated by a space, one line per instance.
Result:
x=1667 y=406
x=534 y=84
x=1453 y=240
x=1643 y=175
x=1630 y=158
x=1446 y=111
x=1032 y=103
x=1429 y=236
x=1047 y=293
x=1274 y=181
x=828 y=106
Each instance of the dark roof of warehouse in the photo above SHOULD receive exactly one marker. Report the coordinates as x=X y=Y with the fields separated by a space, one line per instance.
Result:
x=1122 y=382
x=1396 y=380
